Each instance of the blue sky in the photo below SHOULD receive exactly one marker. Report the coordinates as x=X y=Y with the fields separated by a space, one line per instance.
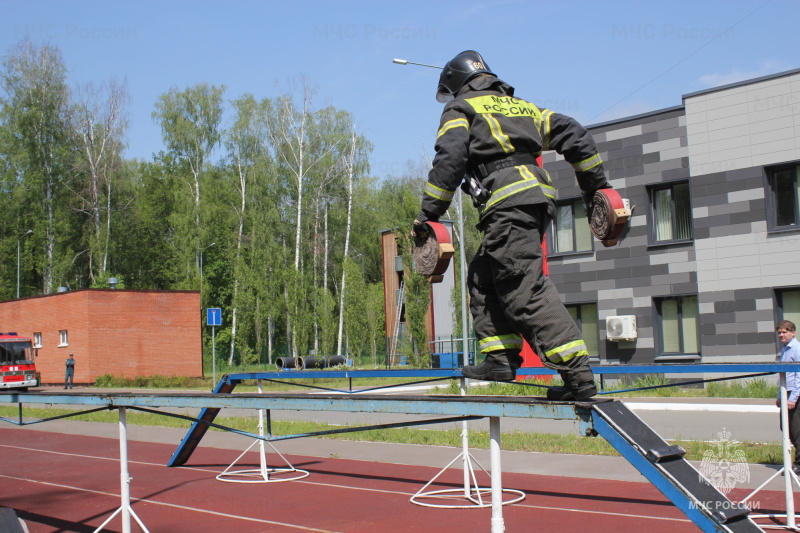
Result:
x=592 y=60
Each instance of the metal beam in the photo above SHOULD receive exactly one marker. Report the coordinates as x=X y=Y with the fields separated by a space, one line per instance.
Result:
x=508 y=406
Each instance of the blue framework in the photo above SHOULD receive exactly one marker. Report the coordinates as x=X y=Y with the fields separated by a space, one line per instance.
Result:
x=614 y=424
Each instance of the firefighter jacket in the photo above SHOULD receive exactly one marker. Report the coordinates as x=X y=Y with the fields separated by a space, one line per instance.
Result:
x=487 y=133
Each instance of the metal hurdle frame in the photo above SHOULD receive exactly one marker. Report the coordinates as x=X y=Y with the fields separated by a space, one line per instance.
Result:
x=459 y=408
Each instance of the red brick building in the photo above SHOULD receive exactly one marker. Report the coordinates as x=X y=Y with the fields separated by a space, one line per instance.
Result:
x=110 y=331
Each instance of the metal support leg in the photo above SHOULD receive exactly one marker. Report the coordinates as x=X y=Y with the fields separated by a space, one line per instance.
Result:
x=472 y=495
x=498 y=525
x=787 y=455
x=465 y=443
x=788 y=474
x=125 y=481
x=263 y=474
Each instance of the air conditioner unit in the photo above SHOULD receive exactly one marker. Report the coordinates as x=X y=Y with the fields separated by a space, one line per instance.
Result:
x=620 y=328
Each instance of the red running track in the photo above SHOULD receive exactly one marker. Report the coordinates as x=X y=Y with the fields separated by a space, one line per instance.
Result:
x=67 y=483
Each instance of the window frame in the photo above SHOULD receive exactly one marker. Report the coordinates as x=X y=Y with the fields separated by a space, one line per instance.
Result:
x=780 y=312
x=63 y=338
x=770 y=194
x=37 y=339
x=552 y=233
x=658 y=328
x=579 y=322
x=651 y=214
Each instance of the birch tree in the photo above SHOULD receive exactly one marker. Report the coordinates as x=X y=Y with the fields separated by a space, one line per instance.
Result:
x=300 y=146
x=98 y=122
x=244 y=142
x=190 y=126
x=34 y=82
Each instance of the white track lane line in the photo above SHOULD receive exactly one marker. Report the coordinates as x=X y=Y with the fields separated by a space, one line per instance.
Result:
x=165 y=504
x=313 y=483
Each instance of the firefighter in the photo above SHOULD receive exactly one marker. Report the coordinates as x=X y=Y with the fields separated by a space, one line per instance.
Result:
x=487 y=143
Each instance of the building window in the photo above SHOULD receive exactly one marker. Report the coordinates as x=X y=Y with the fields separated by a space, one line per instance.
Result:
x=63 y=338
x=585 y=316
x=37 y=340
x=678 y=327
x=571 y=231
x=783 y=197
x=789 y=305
x=670 y=213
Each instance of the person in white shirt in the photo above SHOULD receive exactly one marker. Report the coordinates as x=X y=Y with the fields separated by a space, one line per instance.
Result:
x=790 y=353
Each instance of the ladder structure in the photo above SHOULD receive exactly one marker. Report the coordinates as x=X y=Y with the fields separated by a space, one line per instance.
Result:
x=198 y=430
x=396 y=333
x=665 y=467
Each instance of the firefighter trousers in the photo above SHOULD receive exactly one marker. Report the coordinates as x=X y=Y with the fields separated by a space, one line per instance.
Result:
x=510 y=295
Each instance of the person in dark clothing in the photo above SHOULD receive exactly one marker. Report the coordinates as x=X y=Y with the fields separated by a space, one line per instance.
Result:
x=70 y=374
x=488 y=143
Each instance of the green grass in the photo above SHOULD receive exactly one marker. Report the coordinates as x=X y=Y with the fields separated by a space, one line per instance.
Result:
x=720 y=389
x=184 y=383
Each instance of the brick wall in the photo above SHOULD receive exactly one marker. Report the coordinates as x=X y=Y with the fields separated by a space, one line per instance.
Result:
x=121 y=332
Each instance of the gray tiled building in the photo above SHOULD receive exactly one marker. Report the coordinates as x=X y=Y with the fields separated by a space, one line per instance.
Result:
x=711 y=258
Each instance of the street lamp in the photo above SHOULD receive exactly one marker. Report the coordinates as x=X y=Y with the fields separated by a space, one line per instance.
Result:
x=405 y=62
x=201 y=268
x=26 y=234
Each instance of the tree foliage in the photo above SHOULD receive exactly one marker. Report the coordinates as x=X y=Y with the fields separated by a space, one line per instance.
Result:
x=266 y=206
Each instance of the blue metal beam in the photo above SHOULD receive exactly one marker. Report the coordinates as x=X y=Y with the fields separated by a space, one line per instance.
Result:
x=516 y=407
x=665 y=368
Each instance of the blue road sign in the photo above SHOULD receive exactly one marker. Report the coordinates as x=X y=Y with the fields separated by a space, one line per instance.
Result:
x=213 y=316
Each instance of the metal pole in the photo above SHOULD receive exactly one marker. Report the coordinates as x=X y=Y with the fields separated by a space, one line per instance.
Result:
x=463 y=264
x=262 y=451
x=125 y=479
x=27 y=233
x=498 y=526
x=464 y=344
x=787 y=454
x=18 y=268
x=465 y=444
x=214 y=354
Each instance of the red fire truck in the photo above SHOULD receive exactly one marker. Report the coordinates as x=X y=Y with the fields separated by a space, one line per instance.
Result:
x=17 y=369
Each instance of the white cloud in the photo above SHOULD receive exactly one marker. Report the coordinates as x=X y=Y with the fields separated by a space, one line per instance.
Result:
x=771 y=66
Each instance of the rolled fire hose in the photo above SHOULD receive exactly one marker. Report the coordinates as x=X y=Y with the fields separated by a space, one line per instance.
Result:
x=432 y=255
x=610 y=214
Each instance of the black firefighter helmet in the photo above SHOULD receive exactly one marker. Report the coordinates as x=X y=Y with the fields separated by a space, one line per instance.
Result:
x=459 y=71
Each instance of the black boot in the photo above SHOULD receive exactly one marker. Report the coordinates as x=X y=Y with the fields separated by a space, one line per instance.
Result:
x=578 y=382
x=495 y=367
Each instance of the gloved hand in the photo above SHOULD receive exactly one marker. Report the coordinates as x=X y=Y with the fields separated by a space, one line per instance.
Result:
x=420 y=230
x=588 y=201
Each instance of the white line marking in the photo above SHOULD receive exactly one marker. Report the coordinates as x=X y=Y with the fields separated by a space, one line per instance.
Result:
x=706 y=407
x=154 y=502
x=313 y=483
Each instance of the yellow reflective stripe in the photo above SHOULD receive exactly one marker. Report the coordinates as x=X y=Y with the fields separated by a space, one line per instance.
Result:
x=497 y=133
x=501 y=342
x=450 y=124
x=546 y=128
x=567 y=352
x=527 y=174
x=438 y=192
x=588 y=163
